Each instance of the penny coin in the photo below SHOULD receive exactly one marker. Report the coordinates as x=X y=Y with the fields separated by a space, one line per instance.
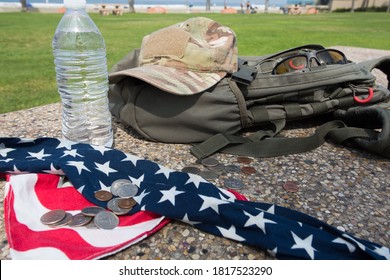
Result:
x=126 y=203
x=208 y=175
x=79 y=220
x=116 y=184
x=291 y=186
x=92 y=210
x=103 y=195
x=191 y=169
x=217 y=168
x=245 y=160
x=232 y=168
x=210 y=162
x=248 y=170
x=64 y=221
x=127 y=190
x=52 y=217
x=232 y=183
x=106 y=220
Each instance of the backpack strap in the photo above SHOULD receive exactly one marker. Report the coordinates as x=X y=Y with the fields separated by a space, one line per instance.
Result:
x=365 y=136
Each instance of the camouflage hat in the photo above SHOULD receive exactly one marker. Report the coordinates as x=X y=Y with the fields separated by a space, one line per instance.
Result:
x=186 y=58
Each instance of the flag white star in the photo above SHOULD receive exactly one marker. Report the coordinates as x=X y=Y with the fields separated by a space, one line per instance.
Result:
x=188 y=221
x=383 y=251
x=195 y=179
x=359 y=244
x=170 y=195
x=304 y=244
x=271 y=210
x=230 y=233
x=104 y=187
x=105 y=168
x=163 y=170
x=65 y=143
x=26 y=140
x=81 y=189
x=40 y=155
x=258 y=221
x=211 y=202
x=53 y=170
x=349 y=245
x=79 y=165
x=72 y=153
x=131 y=158
x=140 y=197
x=273 y=252
x=101 y=149
x=4 y=151
x=138 y=181
x=226 y=195
x=17 y=171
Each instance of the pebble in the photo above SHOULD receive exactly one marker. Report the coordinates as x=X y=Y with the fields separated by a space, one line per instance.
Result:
x=363 y=211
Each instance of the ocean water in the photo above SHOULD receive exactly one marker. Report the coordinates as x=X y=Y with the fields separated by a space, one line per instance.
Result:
x=229 y=3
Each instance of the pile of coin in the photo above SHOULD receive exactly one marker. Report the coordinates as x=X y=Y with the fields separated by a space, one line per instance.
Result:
x=119 y=200
x=214 y=169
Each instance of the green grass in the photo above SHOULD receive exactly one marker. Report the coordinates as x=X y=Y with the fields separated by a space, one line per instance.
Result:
x=27 y=77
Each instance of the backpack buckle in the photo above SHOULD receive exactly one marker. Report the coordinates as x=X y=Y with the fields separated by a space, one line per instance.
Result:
x=245 y=74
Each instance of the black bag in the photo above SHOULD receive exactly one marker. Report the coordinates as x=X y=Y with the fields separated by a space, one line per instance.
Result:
x=254 y=98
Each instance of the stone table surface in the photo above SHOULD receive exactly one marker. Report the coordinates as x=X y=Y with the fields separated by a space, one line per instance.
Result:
x=344 y=187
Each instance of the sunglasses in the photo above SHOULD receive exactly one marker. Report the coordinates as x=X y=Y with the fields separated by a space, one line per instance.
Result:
x=307 y=59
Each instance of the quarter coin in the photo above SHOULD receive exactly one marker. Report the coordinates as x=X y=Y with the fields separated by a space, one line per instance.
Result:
x=116 y=184
x=208 y=175
x=92 y=210
x=53 y=216
x=113 y=205
x=191 y=169
x=127 y=190
x=248 y=170
x=217 y=168
x=64 y=221
x=291 y=186
x=103 y=195
x=79 y=220
x=232 y=183
x=210 y=162
x=232 y=168
x=106 y=220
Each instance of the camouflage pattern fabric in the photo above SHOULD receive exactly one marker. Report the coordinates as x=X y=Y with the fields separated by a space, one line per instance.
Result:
x=186 y=58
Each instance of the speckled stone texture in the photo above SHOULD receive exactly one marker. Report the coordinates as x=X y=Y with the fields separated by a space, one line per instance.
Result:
x=345 y=187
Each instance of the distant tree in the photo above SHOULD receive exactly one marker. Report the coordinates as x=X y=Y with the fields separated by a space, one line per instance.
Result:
x=131 y=6
x=208 y=5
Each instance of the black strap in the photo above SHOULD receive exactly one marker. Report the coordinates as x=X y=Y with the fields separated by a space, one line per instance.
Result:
x=264 y=145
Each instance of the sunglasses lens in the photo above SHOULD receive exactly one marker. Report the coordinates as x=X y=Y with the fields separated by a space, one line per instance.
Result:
x=291 y=64
x=329 y=57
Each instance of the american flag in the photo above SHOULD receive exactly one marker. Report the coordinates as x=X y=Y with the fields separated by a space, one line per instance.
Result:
x=163 y=194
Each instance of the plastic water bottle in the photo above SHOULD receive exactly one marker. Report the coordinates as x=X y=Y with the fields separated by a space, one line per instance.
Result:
x=82 y=78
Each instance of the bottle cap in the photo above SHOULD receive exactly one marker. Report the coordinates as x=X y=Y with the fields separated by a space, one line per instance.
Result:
x=75 y=4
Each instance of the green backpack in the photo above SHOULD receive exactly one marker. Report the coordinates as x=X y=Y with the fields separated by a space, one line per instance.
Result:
x=261 y=97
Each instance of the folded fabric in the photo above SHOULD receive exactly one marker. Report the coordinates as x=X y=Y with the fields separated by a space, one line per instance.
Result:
x=284 y=233
x=29 y=196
